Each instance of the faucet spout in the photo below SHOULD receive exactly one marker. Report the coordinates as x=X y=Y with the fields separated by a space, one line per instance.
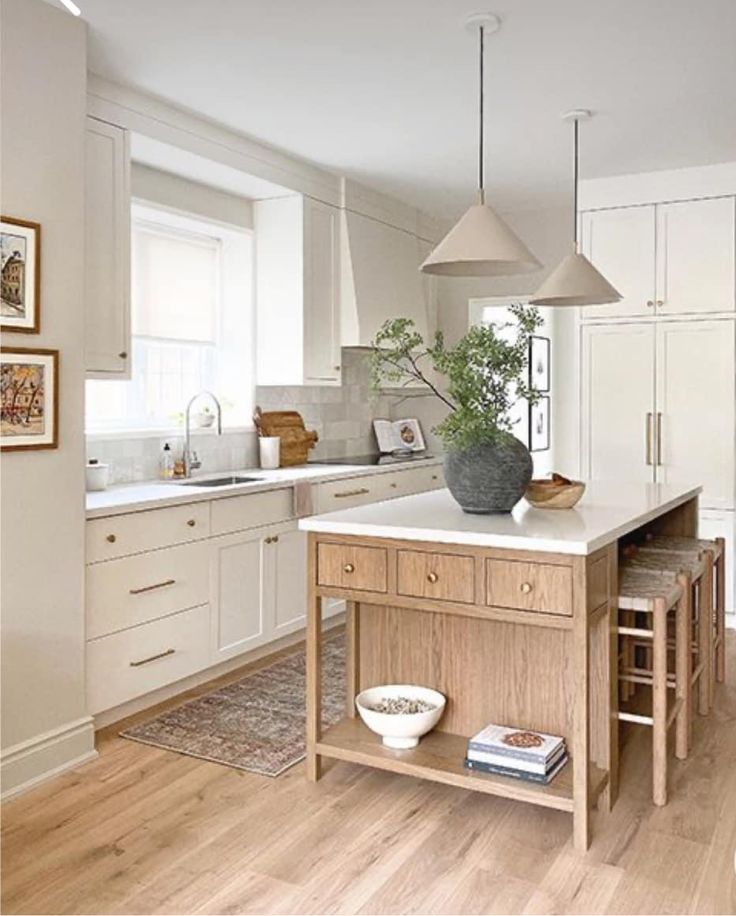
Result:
x=191 y=463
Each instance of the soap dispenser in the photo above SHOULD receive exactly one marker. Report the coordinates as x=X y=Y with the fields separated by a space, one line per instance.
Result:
x=167 y=463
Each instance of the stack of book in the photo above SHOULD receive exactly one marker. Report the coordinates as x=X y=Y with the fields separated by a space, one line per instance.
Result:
x=516 y=752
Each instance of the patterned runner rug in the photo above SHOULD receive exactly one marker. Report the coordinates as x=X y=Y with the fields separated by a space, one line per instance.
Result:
x=257 y=723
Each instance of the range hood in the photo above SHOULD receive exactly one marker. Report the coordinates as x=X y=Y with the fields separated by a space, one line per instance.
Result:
x=380 y=278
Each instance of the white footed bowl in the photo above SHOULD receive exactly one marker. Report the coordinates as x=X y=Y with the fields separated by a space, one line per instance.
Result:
x=400 y=730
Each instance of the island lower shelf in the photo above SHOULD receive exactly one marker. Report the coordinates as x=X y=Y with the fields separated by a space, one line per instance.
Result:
x=439 y=757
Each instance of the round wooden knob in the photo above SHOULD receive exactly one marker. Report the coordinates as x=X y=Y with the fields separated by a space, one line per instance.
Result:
x=526 y=587
x=432 y=577
x=191 y=522
x=348 y=568
x=111 y=538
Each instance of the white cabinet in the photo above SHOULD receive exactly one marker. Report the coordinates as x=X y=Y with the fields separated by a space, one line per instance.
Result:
x=657 y=403
x=289 y=576
x=107 y=251
x=297 y=291
x=621 y=244
x=695 y=256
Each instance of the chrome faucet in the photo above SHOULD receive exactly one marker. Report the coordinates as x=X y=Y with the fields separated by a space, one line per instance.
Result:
x=191 y=462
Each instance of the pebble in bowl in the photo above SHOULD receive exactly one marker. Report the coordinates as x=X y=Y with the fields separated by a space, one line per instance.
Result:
x=557 y=492
x=400 y=713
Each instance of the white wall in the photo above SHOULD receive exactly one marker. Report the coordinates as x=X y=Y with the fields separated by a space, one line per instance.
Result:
x=44 y=721
x=190 y=196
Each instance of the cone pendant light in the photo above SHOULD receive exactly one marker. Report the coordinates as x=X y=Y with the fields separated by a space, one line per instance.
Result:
x=481 y=244
x=575 y=281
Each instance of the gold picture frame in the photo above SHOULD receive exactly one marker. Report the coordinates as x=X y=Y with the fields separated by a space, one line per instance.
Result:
x=29 y=399
x=20 y=276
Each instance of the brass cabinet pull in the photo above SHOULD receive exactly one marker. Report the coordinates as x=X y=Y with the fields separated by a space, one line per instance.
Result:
x=648 y=436
x=348 y=568
x=152 y=588
x=191 y=522
x=659 y=439
x=153 y=658
x=361 y=492
x=526 y=587
x=432 y=577
x=111 y=538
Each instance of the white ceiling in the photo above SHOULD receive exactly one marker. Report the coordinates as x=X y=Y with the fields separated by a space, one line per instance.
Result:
x=385 y=90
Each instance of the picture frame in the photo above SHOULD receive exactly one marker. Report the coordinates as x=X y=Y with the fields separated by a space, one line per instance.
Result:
x=539 y=425
x=20 y=275
x=539 y=363
x=29 y=399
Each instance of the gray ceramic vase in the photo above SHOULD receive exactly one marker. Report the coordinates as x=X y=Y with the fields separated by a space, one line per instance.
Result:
x=491 y=477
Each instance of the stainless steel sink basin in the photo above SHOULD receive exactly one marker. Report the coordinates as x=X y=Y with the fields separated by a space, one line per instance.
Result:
x=220 y=481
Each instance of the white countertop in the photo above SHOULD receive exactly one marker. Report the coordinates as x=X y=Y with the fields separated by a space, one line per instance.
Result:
x=134 y=497
x=606 y=512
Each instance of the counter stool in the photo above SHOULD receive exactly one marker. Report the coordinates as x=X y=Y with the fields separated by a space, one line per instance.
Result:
x=657 y=594
x=717 y=550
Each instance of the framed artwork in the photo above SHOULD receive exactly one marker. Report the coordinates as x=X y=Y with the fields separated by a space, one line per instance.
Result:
x=539 y=370
x=20 y=275
x=29 y=398
x=539 y=419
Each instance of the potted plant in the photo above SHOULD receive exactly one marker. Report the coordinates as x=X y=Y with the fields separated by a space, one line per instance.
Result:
x=487 y=469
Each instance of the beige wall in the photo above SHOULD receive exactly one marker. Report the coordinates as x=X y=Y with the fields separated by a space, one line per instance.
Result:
x=44 y=722
x=172 y=191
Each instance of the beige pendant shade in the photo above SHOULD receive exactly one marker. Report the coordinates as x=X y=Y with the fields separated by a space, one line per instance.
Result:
x=480 y=245
x=575 y=282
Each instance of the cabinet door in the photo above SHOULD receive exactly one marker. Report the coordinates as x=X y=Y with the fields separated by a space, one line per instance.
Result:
x=107 y=251
x=321 y=292
x=620 y=243
x=695 y=256
x=240 y=589
x=695 y=407
x=617 y=402
x=290 y=580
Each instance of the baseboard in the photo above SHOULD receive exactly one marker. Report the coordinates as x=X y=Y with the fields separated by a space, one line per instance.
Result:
x=44 y=756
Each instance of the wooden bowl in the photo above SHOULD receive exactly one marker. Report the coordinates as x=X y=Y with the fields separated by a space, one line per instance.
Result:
x=547 y=494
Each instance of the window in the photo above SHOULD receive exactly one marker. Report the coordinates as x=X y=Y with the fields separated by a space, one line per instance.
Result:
x=191 y=324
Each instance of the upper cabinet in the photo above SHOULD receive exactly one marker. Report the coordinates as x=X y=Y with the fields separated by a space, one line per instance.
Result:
x=297 y=291
x=695 y=256
x=107 y=251
x=664 y=259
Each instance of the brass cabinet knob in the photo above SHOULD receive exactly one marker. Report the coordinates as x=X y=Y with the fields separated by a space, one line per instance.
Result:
x=348 y=568
x=650 y=303
x=660 y=302
x=393 y=486
x=123 y=354
x=275 y=539
x=526 y=587
x=432 y=577
x=434 y=477
x=267 y=541
x=337 y=368
x=191 y=522
x=111 y=538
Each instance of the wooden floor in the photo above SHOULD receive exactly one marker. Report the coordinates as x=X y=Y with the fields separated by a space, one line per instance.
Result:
x=147 y=831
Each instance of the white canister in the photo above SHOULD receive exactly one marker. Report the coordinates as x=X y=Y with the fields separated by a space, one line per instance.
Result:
x=270 y=451
x=96 y=475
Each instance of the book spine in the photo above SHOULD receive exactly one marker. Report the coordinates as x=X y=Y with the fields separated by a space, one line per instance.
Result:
x=500 y=761
x=514 y=774
x=511 y=754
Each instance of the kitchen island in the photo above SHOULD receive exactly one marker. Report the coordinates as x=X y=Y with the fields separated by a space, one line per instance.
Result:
x=512 y=617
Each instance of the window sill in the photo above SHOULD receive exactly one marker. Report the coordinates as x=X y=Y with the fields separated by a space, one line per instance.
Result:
x=172 y=432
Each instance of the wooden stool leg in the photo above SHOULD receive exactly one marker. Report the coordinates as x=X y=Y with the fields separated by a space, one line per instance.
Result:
x=705 y=636
x=659 y=703
x=683 y=667
x=721 y=612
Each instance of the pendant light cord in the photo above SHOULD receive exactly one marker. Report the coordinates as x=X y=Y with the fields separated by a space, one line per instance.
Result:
x=575 y=185
x=481 y=137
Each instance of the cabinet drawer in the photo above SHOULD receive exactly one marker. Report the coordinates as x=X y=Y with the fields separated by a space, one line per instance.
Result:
x=236 y=513
x=529 y=586
x=121 y=535
x=134 y=662
x=362 y=568
x=133 y=590
x=344 y=494
x=444 y=577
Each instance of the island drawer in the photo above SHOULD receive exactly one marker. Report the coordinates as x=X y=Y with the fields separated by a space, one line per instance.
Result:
x=129 y=591
x=362 y=568
x=529 y=586
x=136 y=532
x=444 y=577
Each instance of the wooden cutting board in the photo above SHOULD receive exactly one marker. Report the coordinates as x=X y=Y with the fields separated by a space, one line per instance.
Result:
x=288 y=425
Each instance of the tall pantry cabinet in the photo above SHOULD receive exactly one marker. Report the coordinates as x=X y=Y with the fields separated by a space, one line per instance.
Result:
x=658 y=368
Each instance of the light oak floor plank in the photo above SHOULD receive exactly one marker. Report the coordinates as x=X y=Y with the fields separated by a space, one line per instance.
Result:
x=142 y=830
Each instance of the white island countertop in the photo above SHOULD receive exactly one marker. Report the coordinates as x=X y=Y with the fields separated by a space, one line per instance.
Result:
x=606 y=512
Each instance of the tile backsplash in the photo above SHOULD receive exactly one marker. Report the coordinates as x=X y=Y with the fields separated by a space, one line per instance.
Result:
x=342 y=416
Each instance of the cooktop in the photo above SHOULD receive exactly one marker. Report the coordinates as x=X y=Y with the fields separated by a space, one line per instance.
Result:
x=374 y=459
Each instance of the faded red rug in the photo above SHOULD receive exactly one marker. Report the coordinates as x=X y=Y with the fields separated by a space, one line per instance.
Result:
x=257 y=723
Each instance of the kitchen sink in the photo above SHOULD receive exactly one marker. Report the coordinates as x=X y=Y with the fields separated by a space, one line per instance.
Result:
x=220 y=481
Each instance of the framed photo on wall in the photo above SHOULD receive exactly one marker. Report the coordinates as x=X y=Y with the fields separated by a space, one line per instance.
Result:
x=539 y=368
x=20 y=275
x=29 y=398
x=539 y=420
